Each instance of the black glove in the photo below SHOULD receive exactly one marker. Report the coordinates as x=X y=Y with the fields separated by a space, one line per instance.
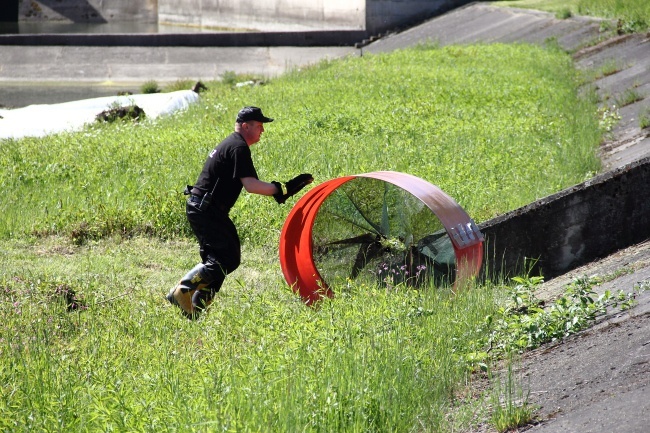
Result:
x=291 y=187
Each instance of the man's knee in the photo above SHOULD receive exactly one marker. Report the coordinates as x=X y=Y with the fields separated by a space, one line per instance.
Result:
x=215 y=267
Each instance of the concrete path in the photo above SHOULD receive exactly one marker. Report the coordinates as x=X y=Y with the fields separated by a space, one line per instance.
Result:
x=597 y=381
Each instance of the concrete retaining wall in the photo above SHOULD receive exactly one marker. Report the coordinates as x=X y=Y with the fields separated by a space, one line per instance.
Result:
x=372 y=16
x=386 y=15
x=87 y=11
x=322 y=38
x=573 y=227
x=267 y=15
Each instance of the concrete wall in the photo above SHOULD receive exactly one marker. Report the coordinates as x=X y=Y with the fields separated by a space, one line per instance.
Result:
x=386 y=15
x=265 y=15
x=88 y=11
x=573 y=227
x=371 y=16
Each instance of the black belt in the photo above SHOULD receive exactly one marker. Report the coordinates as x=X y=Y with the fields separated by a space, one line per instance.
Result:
x=198 y=199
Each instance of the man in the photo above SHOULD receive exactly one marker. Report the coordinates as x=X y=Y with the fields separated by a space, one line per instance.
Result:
x=228 y=168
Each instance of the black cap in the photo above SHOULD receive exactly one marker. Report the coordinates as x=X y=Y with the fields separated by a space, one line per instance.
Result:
x=252 y=113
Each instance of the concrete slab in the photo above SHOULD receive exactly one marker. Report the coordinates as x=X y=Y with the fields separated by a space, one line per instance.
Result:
x=534 y=26
x=92 y=64
x=484 y=23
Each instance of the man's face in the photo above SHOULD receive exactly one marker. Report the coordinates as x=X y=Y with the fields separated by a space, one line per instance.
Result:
x=252 y=131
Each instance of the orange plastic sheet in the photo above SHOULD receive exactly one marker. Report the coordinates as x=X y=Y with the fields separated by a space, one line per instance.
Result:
x=296 y=244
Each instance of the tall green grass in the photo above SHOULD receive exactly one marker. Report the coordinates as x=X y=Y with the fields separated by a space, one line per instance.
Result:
x=495 y=126
x=372 y=360
x=631 y=15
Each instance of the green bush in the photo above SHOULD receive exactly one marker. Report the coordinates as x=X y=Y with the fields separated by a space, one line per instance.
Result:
x=150 y=86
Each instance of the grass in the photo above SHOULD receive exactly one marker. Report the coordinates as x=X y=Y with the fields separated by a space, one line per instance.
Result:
x=150 y=86
x=260 y=361
x=510 y=401
x=628 y=96
x=100 y=213
x=644 y=118
x=458 y=124
x=632 y=15
x=610 y=67
x=372 y=359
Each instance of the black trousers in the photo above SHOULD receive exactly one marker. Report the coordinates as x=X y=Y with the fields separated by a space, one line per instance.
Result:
x=219 y=244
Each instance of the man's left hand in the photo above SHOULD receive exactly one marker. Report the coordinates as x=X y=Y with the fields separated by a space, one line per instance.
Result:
x=292 y=187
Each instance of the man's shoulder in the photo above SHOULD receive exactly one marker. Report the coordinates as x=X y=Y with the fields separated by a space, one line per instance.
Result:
x=234 y=143
x=233 y=140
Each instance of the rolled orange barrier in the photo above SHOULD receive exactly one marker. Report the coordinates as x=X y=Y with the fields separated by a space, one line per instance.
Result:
x=296 y=242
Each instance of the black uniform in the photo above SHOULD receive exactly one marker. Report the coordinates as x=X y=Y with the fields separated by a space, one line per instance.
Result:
x=219 y=244
x=211 y=198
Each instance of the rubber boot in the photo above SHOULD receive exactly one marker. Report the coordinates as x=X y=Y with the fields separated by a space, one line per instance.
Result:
x=181 y=295
x=202 y=298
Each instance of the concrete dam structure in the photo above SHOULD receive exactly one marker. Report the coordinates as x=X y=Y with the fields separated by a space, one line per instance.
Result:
x=368 y=16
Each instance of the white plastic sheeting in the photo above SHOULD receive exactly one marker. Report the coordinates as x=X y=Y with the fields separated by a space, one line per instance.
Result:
x=43 y=119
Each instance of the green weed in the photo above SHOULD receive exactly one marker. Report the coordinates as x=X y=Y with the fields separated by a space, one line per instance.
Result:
x=644 y=118
x=150 y=86
x=608 y=118
x=232 y=79
x=610 y=67
x=179 y=85
x=511 y=408
x=524 y=322
x=629 y=96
